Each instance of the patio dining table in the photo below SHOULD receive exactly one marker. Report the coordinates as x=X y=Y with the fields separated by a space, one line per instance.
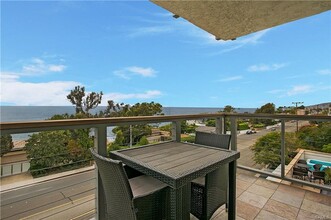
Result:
x=177 y=164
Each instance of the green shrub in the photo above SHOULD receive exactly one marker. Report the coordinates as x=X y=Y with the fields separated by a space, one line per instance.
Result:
x=326 y=148
x=188 y=139
x=243 y=126
x=258 y=125
x=143 y=141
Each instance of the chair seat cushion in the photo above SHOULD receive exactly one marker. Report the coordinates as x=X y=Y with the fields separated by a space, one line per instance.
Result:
x=200 y=181
x=143 y=185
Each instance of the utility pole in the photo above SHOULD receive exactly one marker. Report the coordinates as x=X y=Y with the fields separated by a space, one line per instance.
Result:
x=296 y=112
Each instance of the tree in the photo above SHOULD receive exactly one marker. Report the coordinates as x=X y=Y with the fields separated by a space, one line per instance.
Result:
x=47 y=150
x=327 y=148
x=6 y=144
x=187 y=128
x=316 y=136
x=210 y=122
x=229 y=109
x=84 y=103
x=138 y=109
x=268 y=108
x=80 y=139
x=118 y=143
x=143 y=141
x=74 y=151
x=267 y=149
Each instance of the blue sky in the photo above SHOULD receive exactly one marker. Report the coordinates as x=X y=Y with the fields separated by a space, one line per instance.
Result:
x=135 y=51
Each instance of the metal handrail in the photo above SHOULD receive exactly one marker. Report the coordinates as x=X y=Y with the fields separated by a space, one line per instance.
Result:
x=100 y=125
x=31 y=126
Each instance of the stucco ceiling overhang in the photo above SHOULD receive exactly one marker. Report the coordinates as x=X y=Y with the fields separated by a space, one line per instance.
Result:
x=230 y=19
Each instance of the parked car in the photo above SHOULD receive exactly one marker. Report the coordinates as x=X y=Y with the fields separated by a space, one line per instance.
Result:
x=251 y=132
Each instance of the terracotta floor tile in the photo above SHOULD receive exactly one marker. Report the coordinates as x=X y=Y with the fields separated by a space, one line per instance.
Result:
x=263 y=215
x=281 y=209
x=239 y=192
x=246 y=211
x=317 y=208
x=297 y=192
x=243 y=184
x=287 y=198
x=305 y=215
x=246 y=178
x=252 y=199
x=317 y=197
x=261 y=190
x=266 y=183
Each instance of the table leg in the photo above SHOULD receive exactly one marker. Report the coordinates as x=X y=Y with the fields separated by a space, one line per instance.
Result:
x=180 y=202
x=232 y=190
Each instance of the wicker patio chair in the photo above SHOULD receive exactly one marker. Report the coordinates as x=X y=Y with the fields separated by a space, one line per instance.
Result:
x=317 y=167
x=208 y=194
x=300 y=173
x=142 y=197
x=301 y=161
x=318 y=175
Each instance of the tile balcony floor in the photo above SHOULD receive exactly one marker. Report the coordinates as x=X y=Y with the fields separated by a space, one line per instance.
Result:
x=258 y=198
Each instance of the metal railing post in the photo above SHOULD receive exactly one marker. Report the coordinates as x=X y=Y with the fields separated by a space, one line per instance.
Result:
x=219 y=126
x=233 y=129
x=176 y=131
x=100 y=144
x=224 y=124
x=282 y=149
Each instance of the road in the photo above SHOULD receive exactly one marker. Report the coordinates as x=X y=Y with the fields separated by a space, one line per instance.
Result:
x=72 y=197
x=244 y=141
x=48 y=200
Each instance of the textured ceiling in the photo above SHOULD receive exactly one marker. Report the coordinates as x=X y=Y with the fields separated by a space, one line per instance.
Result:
x=229 y=19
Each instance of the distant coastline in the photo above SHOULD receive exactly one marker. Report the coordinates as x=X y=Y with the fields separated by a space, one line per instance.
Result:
x=33 y=113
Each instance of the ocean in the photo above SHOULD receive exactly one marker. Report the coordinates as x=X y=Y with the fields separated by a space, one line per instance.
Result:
x=34 y=113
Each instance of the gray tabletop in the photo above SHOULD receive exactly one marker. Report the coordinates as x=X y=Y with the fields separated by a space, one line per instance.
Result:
x=175 y=163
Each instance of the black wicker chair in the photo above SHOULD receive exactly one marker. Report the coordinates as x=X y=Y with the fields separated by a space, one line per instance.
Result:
x=318 y=175
x=300 y=173
x=301 y=161
x=142 y=197
x=317 y=167
x=208 y=194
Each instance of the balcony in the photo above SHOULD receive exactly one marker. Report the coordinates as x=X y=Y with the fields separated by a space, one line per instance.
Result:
x=261 y=193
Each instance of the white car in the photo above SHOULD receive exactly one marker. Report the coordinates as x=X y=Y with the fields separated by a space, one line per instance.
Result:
x=251 y=132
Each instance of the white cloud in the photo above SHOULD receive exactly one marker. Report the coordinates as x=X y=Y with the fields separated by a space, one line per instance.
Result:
x=230 y=45
x=37 y=66
x=302 y=89
x=51 y=93
x=151 y=30
x=187 y=29
x=56 y=68
x=266 y=67
x=230 y=79
x=276 y=91
x=324 y=72
x=128 y=72
x=145 y=72
x=118 y=97
x=122 y=74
